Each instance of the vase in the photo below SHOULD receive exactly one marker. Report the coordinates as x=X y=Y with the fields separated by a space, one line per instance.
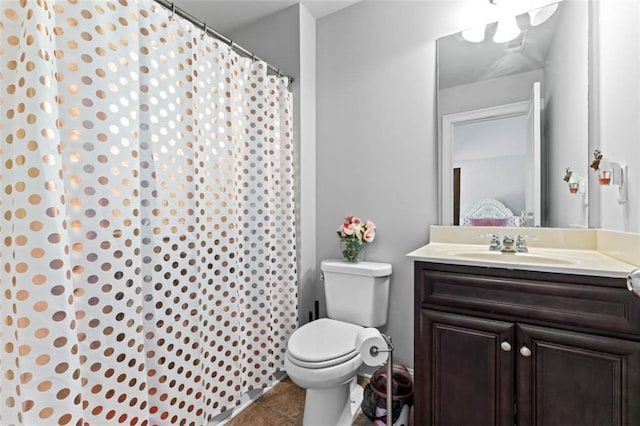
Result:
x=352 y=250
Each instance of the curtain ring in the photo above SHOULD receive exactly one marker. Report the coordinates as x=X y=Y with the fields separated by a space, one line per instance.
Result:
x=173 y=12
x=204 y=31
x=231 y=44
x=253 y=57
x=279 y=73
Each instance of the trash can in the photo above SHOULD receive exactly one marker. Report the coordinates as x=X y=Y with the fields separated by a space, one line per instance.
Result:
x=374 y=403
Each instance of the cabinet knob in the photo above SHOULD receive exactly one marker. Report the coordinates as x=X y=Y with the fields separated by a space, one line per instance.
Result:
x=525 y=351
x=505 y=346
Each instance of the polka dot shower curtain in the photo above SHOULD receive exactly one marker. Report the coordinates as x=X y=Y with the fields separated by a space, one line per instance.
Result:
x=147 y=254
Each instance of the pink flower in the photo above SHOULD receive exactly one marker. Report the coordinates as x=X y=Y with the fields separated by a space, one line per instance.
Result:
x=369 y=235
x=348 y=229
x=354 y=228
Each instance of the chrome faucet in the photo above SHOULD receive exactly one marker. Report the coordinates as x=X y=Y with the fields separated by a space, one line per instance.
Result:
x=508 y=244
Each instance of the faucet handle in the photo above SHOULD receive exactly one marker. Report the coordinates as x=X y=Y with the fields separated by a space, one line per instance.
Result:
x=495 y=241
x=521 y=244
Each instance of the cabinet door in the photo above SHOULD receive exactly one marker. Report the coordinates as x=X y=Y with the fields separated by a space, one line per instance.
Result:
x=566 y=378
x=464 y=368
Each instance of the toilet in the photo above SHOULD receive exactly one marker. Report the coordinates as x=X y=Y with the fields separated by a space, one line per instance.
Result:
x=321 y=355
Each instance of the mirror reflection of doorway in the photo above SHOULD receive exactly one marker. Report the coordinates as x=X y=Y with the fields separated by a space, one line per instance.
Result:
x=456 y=196
x=509 y=130
x=490 y=155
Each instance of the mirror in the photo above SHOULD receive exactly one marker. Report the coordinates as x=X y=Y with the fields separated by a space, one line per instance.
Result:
x=513 y=117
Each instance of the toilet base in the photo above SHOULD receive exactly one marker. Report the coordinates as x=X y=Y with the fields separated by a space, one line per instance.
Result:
x=334 y=406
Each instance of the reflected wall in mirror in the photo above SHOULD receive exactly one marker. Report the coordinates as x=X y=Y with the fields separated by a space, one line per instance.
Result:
x=539 y=80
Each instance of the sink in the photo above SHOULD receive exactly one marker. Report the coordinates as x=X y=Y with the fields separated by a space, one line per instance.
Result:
x=529 y=258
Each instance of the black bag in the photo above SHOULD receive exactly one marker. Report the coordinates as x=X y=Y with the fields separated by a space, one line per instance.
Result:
x=375 y=393
x=372 y=400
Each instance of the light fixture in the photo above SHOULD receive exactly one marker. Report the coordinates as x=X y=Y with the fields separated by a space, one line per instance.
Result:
x=538 y=16
x=474 y=35
x=507 y=30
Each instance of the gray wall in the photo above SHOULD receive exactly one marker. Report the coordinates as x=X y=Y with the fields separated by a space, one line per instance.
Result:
x=376 y=135
x=566 y=113
x=618 y=71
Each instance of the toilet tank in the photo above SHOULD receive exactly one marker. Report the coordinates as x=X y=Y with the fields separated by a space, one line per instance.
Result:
x=357 y=293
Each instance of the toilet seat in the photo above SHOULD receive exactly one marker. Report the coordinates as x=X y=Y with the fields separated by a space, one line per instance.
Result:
x=323 y=343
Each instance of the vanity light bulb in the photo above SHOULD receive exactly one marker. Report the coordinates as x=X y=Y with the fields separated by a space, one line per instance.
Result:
x=507 y=30
x=538 y=16
x=474 y=35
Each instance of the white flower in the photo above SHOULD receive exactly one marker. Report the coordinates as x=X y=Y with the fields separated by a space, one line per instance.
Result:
x=370 y=225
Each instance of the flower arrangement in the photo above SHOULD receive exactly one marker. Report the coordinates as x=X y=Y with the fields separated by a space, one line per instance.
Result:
x=353 y=235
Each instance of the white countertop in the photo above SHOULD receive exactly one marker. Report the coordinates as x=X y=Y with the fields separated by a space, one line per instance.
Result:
x=588 y=253
x=578 y=262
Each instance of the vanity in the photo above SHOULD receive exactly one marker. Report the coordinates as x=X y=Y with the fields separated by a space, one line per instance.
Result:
x=548 y=337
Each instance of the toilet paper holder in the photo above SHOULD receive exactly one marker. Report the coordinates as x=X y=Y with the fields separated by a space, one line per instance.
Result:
x=376 y=350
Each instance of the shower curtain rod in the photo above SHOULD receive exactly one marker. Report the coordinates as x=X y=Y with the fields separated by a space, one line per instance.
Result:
x=215 y=34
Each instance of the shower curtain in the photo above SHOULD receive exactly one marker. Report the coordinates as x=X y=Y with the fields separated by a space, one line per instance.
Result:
x=146 y=214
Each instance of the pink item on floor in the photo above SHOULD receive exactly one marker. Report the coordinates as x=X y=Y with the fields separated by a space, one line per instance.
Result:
x=379 y=413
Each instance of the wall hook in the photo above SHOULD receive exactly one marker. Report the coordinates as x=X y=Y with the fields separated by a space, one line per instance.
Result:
x=612 y=173
x=577 y=184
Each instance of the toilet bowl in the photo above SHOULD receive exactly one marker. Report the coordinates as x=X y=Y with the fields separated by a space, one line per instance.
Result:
x=322 y=356
x=322 y=353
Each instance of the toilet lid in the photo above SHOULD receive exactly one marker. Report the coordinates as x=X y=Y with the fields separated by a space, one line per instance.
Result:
x=322 y=340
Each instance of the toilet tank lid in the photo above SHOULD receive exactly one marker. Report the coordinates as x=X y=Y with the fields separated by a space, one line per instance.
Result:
x=366 y=269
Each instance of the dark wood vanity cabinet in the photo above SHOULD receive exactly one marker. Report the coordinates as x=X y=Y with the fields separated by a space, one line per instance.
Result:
x=504 y=347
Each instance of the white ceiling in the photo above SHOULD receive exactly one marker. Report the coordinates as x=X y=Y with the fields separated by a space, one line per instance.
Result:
x=226 y=16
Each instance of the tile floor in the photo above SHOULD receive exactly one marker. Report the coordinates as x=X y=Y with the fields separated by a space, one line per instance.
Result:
x=283 y=405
